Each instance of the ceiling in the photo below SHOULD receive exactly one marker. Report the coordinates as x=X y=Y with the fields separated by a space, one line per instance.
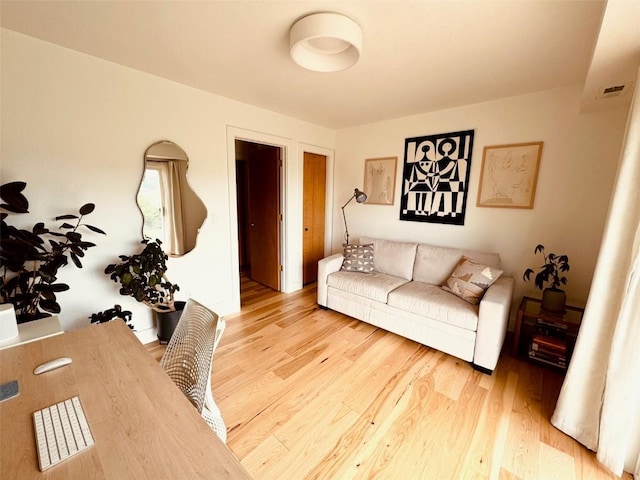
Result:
x=418 y=56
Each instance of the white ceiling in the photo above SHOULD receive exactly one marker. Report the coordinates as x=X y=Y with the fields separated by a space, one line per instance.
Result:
x=418 y=56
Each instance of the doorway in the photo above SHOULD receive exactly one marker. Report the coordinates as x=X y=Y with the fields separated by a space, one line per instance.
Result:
x=258 y=173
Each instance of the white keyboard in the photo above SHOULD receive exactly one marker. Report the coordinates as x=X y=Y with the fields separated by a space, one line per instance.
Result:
x=61 y=432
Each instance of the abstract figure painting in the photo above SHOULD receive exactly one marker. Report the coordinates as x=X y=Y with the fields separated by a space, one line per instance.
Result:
x=509 y=175
x=380 y=180
x=435 y=177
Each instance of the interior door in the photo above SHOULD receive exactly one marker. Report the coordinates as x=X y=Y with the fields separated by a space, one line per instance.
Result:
x=314 y=190
x=264 y=215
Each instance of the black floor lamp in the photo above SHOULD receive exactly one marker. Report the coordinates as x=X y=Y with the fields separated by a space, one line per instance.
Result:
x=360 y=198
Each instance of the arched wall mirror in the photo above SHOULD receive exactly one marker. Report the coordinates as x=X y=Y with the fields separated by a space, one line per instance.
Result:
x=171 y=210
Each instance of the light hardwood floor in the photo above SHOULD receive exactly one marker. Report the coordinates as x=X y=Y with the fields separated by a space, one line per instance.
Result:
x=313 y=394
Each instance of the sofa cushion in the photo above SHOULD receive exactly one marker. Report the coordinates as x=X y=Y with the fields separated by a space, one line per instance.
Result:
x=376 y=286
x=434 y=264
x=431 y=301
x=358 y=258
x=470 y=280
x=393 y=258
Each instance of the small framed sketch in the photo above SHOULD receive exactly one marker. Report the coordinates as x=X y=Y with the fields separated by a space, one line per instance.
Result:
x=509 y=175
x=380 y=180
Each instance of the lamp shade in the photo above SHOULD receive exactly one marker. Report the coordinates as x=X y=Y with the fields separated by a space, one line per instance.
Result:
x=360 y=197
x=8 y=322
x=325 y=42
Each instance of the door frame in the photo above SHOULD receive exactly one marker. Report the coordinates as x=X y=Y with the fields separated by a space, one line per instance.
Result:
x=291 y=177
x=328 y=201
x=233 y=134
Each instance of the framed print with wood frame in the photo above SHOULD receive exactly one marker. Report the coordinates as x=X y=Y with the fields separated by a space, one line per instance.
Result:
x=380 y=180
x=509 y=175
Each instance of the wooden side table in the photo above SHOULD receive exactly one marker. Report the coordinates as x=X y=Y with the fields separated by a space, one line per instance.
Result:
x=529 y=312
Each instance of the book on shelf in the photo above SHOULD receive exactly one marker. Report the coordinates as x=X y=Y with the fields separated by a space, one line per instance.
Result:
x=551 y=322
x=548 y=358
x=551 y=329
x=548 y=342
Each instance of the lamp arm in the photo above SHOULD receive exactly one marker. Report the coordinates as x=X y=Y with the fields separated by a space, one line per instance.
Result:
x=348 y=201
x=344 y=217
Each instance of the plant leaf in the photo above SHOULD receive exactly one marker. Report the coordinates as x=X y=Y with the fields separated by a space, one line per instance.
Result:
x=87 y=208
x=67 y=217
x=50 y=306
x=75 y=259
x=95 y=229
x=11 y=193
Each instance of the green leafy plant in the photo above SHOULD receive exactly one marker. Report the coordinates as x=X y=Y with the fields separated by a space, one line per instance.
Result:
x=30 y=259
x=143 y=277
x=112 y=314
x=550 y=272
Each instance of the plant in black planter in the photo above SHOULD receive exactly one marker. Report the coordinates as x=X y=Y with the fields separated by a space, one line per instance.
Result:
x=550 y=273
x=143 y=277
x=112 y=314
x=30 y=260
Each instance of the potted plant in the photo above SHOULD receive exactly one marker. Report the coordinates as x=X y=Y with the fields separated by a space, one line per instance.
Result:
x=550 y=273
x=112 y=314
x=143 y=277
x=30 y=259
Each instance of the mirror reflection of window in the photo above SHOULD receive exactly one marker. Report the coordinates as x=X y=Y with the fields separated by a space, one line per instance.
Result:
x=171 y=210
x=152 y=202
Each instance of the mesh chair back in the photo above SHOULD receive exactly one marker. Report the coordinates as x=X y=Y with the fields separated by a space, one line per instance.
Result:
x=189 y=354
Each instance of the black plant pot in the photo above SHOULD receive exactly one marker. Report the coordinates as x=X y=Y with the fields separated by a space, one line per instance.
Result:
x=168 y=321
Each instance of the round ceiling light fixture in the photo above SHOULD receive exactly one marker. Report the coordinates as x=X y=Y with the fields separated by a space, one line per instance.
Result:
x=325 y=42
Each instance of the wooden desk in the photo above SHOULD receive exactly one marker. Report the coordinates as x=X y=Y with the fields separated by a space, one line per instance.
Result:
x=144 y=427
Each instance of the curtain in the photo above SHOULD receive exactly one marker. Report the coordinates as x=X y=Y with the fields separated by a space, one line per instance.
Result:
x=599 y=403
x=175 y=217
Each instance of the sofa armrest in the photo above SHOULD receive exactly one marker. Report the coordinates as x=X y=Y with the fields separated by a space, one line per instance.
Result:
x=493 y=318
x=326 y=267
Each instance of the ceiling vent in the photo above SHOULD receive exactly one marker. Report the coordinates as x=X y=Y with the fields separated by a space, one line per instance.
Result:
x=616 y=90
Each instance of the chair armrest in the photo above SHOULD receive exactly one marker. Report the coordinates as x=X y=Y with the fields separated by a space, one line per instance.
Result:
x=326 y=267
x=493 y=318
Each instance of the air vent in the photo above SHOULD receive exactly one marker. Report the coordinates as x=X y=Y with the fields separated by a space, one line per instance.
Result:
x=614 y=90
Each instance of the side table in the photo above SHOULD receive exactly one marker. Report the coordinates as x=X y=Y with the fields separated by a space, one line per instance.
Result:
x=528 y=314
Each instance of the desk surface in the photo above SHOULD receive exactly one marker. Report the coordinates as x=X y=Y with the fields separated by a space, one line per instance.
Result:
x=143 y=425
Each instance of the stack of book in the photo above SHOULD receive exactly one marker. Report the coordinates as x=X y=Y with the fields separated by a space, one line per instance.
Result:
x=549 y=343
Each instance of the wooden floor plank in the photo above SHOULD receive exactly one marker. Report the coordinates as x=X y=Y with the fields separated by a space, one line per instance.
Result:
x=314 y=394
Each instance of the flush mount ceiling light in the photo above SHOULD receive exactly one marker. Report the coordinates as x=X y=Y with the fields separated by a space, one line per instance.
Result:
x=325 y=42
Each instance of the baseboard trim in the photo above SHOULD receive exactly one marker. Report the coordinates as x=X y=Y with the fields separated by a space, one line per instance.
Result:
x=484 y=370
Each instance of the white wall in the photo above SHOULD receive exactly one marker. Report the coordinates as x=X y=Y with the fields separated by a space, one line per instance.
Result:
x=75 y=128
x=577 y=171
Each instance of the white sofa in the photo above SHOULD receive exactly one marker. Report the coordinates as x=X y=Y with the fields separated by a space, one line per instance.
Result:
x=403 y=295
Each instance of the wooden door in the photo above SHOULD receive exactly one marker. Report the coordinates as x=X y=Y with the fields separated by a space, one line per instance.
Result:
x=264 y=215
x=314 y=190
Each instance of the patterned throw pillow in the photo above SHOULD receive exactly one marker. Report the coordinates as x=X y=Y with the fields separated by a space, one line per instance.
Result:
x=470 y=280
x=358 y=258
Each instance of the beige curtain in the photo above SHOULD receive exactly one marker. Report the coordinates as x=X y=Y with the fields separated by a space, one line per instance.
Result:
x=599 y=403
x=175 y=218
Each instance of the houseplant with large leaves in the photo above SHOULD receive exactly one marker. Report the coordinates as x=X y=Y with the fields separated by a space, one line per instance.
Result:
x=30 y=259
x=550 y=278
x=143 y=276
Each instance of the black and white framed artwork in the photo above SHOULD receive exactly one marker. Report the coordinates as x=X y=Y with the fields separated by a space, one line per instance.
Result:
x=435 y=177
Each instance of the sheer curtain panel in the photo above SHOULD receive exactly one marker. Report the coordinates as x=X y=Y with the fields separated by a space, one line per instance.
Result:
x=599 y=403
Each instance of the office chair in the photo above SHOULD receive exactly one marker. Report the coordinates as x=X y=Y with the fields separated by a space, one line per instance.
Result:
x=188 y=360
